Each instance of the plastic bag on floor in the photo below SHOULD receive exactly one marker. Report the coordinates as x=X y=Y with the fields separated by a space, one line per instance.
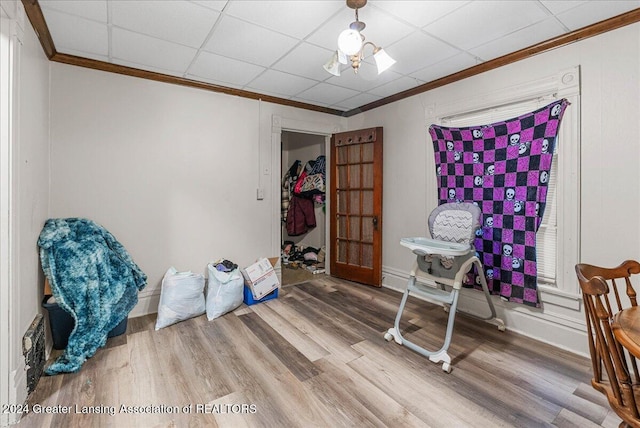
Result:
x=181 y=298
x=224 y=292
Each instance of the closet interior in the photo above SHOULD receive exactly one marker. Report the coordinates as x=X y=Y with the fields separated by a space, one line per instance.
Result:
x=303 y=219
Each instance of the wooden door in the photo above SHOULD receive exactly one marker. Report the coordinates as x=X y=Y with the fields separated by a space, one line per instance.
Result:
x=356 y=206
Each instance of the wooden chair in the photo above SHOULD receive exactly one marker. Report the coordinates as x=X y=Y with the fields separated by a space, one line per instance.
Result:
x=606 y=291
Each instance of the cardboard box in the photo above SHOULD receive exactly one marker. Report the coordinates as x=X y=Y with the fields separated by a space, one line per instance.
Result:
x=277 y=266
x=261 y=278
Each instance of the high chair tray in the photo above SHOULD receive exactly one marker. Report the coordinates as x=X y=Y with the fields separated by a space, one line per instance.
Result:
x=423 y=246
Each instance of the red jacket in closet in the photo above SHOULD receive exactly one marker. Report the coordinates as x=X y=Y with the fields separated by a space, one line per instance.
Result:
x=301 y=216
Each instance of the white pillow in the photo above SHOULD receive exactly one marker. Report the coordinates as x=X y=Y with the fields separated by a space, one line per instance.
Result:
x=181 y=297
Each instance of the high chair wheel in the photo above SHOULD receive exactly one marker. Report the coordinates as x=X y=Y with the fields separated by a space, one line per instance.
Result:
x=446 y=367
x=388 y=336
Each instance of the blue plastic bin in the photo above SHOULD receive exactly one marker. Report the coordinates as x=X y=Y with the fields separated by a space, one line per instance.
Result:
x=249 y=300
x=62 y=324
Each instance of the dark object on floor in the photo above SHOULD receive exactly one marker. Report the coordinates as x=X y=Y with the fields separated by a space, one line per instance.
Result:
x=33 y=351
x=62 y=324
x=287 y=247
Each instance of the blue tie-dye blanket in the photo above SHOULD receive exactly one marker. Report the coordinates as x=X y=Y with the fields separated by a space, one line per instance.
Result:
x=93 y=278
x=503 y=168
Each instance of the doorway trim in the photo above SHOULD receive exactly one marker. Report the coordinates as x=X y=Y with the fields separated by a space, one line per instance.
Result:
x=12 y=17
x=5 y=204
x=279 y=124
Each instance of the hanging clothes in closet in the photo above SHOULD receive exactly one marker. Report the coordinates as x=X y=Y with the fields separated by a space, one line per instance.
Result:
x=309 y=187
x=288 y=182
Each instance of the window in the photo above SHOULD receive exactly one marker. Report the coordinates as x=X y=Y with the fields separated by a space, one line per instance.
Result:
x=546 y=237
x=557 y=237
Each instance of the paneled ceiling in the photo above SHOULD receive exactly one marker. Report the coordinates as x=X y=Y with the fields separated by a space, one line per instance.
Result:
x=278 y=48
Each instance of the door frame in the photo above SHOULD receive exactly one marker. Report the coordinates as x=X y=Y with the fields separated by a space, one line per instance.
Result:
x=279 y=124
x=11 y=41
x=5 y=223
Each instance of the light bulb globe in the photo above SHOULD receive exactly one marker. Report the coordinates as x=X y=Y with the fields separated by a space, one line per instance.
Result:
x=350 y=42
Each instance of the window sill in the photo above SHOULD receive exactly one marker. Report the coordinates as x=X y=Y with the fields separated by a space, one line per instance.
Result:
x=552 y=295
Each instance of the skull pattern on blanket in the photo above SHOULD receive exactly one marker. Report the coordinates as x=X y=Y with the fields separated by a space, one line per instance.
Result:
x=503 y=168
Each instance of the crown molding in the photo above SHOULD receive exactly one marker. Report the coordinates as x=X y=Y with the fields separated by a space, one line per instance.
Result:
x=34 y=13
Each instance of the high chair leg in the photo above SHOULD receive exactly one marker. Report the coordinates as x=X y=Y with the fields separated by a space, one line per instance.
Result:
x=441 y=354
x=485 y=289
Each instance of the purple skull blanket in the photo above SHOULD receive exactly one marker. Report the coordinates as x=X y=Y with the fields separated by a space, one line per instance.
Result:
x=504 y=169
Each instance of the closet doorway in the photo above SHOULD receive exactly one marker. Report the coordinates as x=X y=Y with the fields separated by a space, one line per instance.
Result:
x=304 y=235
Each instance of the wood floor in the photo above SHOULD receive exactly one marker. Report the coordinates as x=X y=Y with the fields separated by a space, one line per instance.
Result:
x=292 y=276
x=316 y=357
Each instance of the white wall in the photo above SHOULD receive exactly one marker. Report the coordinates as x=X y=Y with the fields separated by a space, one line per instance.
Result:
x=33 y=169
x=29 y=207
x=171 y=171
x=610 y=152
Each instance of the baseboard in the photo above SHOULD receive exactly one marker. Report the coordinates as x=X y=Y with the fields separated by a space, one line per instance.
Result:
x=557 y=326
x=147 y=304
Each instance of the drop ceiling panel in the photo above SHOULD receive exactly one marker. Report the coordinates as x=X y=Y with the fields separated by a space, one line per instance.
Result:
x=558 y=6
x=278 y=47
x=295 y=18
x=284 y=84
x=593 y=11
x=419 y=13
x=480 y=22
x=303 y=61
x=520 y=39
x=180 y=22
x=419 y=50
x=212 y=4
x=326 y=94
x=141 y=49
x=95 y=10
x=400 y=84
x=225 y=70
x=446 y=67
x=72 y=32
x=248 y=42
x=357 y=101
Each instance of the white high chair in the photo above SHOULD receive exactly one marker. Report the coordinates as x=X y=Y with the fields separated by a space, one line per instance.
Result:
x=444 y=260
